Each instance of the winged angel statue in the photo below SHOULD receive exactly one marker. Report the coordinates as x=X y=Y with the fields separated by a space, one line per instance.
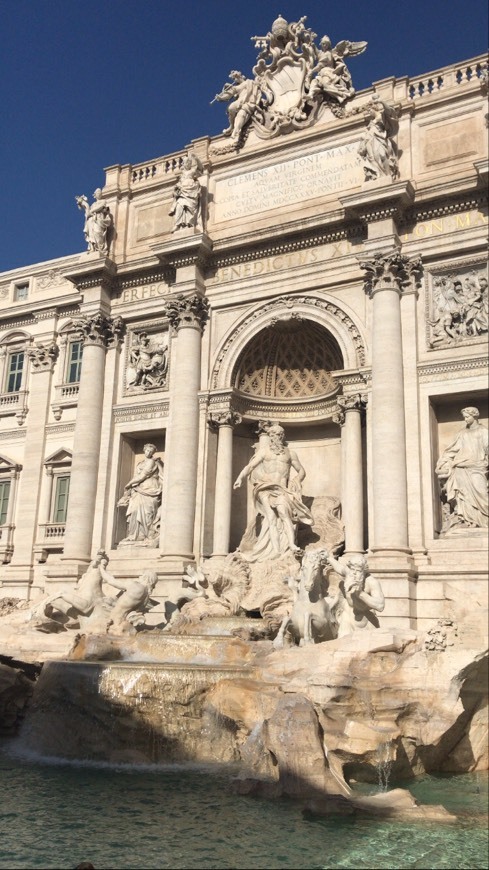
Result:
x=293 y=78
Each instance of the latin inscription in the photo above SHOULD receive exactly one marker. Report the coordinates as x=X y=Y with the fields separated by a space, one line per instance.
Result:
x=147 y=291
x=448 y=224
x=289 y=182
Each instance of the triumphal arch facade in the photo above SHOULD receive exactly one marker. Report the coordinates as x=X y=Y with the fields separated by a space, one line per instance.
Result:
x=275 y=338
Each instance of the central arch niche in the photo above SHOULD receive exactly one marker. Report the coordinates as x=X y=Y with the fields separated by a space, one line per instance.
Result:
x=289 y=359
x=286 y=370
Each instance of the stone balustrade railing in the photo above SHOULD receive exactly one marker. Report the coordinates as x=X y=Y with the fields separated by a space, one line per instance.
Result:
x=169 y=165
x=448 y=77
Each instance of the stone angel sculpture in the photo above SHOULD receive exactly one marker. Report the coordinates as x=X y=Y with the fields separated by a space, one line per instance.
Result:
x=98 y=222
x=330 y=77
x=186 y=209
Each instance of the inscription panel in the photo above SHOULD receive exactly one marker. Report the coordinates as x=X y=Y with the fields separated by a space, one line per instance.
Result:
x=289 y=182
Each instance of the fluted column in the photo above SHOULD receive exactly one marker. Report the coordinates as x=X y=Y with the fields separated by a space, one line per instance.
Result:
x=42 y=358
x=349 y=416
x=98 y=332
x=224 y=422
x=386 y=276
x=187 y=315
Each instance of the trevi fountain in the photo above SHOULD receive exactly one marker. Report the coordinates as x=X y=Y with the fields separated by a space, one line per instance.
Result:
x=244 y=621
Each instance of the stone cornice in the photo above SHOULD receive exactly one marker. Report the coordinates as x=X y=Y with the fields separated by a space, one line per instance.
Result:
x=453 y=368
x=141 y=411
x=378 y=200
x=187 y=250
x=96 y=271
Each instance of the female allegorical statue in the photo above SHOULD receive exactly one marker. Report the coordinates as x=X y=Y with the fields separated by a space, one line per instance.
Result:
x=142 y=497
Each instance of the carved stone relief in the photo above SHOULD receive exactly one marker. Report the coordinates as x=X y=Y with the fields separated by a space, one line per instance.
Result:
x=293 y=78
x=458 y=307
x=147 y=362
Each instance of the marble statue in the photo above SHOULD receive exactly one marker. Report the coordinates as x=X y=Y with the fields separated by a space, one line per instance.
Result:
x=330 y=77
x=244 y=97
x=210 y=590
x=277 y=500
x=142 y=498
x=377 y=150
x=187 y=195
x=293 y=78
x=359 y=595
x=63 y=609
x=147 y=364
x=128 y=608
x=98 y=221
x=311 y=619
x=462 y=470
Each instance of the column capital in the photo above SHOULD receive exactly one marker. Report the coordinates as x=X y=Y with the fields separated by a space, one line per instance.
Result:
x=42 y=356
x=230 y=418
x=188 y=311
x=98 y=329
x=356 y=402
x=391 y=271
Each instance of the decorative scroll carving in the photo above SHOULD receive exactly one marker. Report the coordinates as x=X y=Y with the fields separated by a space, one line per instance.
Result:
x=188 y=311
x=224 y=418
x=187 y=195
x=43 y=356
x=98 y=329
x=293 y=78
x=357 y=402
x=98 y=222
x=377 y=149
x=147 y=366
x=392 y=271
x=459 y=308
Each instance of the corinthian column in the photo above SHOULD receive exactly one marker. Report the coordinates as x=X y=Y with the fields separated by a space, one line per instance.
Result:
x=349 y=416
x=42 y=358
x=386 y=277
x=187 y=315
x=97 y=332
x=224 y=422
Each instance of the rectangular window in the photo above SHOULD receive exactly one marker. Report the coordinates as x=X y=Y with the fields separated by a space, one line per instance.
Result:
x=75 y=351
x=14 y=372
x=4 y=497
x=61 y=498
x=21 y=292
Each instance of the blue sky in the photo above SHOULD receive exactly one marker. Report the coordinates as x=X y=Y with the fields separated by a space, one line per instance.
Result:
x=86 y=84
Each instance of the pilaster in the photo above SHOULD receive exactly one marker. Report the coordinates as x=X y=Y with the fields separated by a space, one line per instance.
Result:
x=224 y=422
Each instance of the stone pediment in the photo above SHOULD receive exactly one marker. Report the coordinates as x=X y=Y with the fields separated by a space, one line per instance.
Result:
x=63 y=456
x=7 y=464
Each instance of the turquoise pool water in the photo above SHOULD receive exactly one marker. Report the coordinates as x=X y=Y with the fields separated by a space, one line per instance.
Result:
x=56 y=815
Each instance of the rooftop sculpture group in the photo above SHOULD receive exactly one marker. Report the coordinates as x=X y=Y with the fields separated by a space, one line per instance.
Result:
x=293 y=78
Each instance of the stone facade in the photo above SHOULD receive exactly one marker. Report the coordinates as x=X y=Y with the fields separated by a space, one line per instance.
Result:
x=305 y=278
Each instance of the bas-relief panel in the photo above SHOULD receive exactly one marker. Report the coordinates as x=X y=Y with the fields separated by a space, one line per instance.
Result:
x=288 y=182
x=457 y=305
x=146 y=362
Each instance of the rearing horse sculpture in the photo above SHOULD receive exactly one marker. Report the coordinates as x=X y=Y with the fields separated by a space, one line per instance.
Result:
x=311 y=619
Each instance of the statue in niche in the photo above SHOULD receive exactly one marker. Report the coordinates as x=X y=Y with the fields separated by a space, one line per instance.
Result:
x=358 y=598
x=244 y=96
x=277 y=499
x=377 y=150
x=98 y=221
x=460 y=309
x=462 y=470
x=142 y=500
x=187 y=195
x=148 y=364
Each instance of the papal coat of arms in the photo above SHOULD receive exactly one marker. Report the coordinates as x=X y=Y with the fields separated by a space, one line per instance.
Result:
x=293 y=78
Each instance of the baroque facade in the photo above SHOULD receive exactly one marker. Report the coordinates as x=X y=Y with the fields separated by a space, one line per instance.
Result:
x=320 y=265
